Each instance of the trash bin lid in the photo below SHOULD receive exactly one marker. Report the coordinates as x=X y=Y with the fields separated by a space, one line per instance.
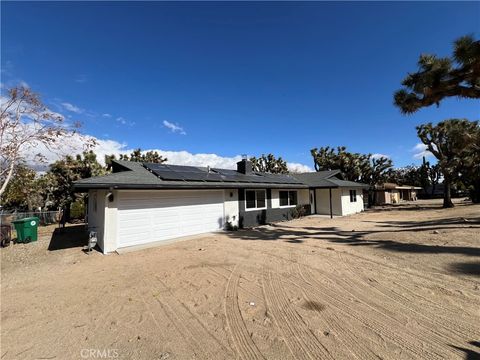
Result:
x=25 y=220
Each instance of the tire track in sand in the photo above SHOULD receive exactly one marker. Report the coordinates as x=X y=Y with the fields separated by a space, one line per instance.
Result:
x=408 y=341
x=202 y=342
x=246 y=348
x=383 y=305
x=345 y=335
x=302 y=343
x=432 y=319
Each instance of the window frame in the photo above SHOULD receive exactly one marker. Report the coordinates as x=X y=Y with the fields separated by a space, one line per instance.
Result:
x=353 y=195
x=288 y=199
x=256 y=201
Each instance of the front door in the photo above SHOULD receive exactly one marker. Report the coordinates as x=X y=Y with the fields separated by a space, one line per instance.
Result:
x=312 y=202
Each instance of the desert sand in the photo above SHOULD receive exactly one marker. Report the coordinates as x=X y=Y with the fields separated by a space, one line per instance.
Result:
x=396 y=283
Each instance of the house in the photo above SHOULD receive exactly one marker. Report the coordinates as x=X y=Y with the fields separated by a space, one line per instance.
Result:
x=390 y=193
x=330 y=195
x=142 y=203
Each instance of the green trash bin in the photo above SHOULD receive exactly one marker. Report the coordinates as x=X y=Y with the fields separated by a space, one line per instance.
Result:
x=26 y=229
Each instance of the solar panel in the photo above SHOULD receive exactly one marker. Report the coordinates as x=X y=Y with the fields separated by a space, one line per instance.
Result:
x=213 y=177
x=182 y=168
x=192 y=173
x=169 y=175
x=193 y=176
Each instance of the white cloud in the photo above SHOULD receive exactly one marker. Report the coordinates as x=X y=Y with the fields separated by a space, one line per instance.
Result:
x=124 y=121
x=420 y=150
x=298 y=168
x=174 y=127
x=212 y=160
x=378 y=156
x=75 y=144
x=106 y=115
x=72 y=108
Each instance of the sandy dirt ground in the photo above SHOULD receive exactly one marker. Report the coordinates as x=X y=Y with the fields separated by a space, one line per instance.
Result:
x=394 y=283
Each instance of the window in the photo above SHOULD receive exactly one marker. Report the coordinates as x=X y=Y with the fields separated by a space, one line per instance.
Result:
x=255 y=199
x=288 y=198
x=353 y=195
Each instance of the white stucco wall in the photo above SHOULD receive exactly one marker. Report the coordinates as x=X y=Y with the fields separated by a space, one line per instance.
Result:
x=302 y=197
x=351 y=207
x=275 y=199
x=231 y=207
x=111 y=225
x=323 y=202
x=96 y=214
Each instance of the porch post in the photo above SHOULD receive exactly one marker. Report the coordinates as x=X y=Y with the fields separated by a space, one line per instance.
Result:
x=331 y=210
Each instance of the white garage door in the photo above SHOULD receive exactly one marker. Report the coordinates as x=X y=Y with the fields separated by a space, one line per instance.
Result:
x=145 y=217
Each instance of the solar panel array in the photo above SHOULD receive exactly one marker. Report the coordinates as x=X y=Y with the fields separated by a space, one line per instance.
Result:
x=192 y=173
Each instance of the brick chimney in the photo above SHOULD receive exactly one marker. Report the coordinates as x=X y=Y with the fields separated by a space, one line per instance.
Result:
x=244 y=166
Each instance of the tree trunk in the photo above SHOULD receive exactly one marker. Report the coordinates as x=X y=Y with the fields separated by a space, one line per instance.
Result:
x=475 y=193
x=8 y=178
x=373 y=198
x=447 y=197
x=65 y=214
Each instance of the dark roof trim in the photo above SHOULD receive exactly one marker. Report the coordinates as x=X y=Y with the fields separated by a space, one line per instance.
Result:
x=86 y=187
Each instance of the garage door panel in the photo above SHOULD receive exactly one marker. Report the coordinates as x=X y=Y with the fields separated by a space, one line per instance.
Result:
x=148 y=217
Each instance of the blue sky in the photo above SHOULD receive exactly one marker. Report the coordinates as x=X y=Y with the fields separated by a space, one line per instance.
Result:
x=237 y=78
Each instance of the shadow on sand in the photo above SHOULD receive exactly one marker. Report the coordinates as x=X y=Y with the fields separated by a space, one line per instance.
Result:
x=68 y=237
x=470 y=354
x=293 y=235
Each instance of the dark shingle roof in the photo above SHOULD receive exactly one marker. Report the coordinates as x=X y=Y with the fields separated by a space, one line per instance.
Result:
x=327 y=179
x=133 y=175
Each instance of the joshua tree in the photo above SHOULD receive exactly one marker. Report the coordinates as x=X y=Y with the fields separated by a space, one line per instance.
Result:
x=136 y=155
x=270 y=164
x=440 y=78
x=453 y=143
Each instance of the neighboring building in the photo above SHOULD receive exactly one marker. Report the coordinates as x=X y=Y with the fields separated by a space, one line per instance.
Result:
x=390 y=193
x=141 y=203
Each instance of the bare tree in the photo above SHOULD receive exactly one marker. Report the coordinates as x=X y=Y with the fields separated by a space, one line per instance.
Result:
x=26 y=123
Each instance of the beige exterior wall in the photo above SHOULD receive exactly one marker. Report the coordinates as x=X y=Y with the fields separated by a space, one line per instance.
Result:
x=303 y=197
x=323 y=201
x=394 y=197
x=383 y=197
x=341 y=204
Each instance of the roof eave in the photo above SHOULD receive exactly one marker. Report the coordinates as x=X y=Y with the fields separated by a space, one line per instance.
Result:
x=86 y=187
